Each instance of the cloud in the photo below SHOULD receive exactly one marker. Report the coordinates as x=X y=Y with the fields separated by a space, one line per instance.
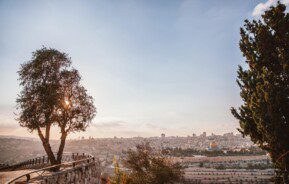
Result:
x=7 y=118
x=109 y=123
x=112 y=124
x=8 y=123
x=155 y=127
x=262 y=7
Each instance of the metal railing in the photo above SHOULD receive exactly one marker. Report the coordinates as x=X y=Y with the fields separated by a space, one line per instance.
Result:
x=3 y=166
x=40 y=174
x=36 y=163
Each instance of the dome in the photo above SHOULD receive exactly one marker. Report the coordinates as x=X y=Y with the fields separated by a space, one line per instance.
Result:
x=213 y=145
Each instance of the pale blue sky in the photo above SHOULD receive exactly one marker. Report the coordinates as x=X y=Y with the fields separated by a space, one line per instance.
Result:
x=151 y=66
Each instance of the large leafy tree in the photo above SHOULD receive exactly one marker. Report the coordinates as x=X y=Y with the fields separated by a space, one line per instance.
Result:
x=264 y=83
x=53 y=96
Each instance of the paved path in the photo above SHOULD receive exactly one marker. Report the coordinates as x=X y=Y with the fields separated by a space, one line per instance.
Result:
x=8 y=175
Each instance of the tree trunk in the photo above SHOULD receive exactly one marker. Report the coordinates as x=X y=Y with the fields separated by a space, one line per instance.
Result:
x=285 y=175
x=49 y=153
x=61 y=146
x=47 y=148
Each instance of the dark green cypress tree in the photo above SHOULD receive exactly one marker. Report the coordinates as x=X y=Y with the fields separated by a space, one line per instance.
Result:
x=264 y=83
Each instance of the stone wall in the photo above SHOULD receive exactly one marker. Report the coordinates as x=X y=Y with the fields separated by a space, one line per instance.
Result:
x=86 y=174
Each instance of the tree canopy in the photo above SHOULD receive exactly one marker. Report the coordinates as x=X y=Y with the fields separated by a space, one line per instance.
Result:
x=148 y=167
x=52 y=95
x=264 y=83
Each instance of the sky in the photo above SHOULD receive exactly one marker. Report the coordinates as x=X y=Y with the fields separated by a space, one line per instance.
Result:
x=151 y=66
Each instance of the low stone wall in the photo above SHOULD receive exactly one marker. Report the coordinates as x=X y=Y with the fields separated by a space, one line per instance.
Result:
x=86 y=174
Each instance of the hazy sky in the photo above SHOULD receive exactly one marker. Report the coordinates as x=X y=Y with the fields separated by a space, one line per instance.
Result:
x=151 y=66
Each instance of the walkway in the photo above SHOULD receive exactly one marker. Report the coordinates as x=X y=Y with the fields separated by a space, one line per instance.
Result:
x=8 y=175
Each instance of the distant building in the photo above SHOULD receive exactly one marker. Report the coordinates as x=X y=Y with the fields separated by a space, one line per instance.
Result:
x=204 y=134
x=163 y=135
x=231 y=134
x=213 y=146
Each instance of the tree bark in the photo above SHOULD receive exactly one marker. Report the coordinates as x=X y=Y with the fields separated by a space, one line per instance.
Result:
x=61 y=146
x=47 y=132
x=285 y=175
x=47 y=148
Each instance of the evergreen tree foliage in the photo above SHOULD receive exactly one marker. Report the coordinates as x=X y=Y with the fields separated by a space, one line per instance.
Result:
x=264 y=84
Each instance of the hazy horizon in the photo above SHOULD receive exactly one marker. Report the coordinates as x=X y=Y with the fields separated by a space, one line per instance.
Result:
x=152 y=67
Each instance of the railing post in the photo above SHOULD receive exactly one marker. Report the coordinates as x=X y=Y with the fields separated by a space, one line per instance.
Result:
x=27 y=177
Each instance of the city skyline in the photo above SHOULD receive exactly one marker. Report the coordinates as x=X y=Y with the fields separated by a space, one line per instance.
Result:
x=148 y=68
